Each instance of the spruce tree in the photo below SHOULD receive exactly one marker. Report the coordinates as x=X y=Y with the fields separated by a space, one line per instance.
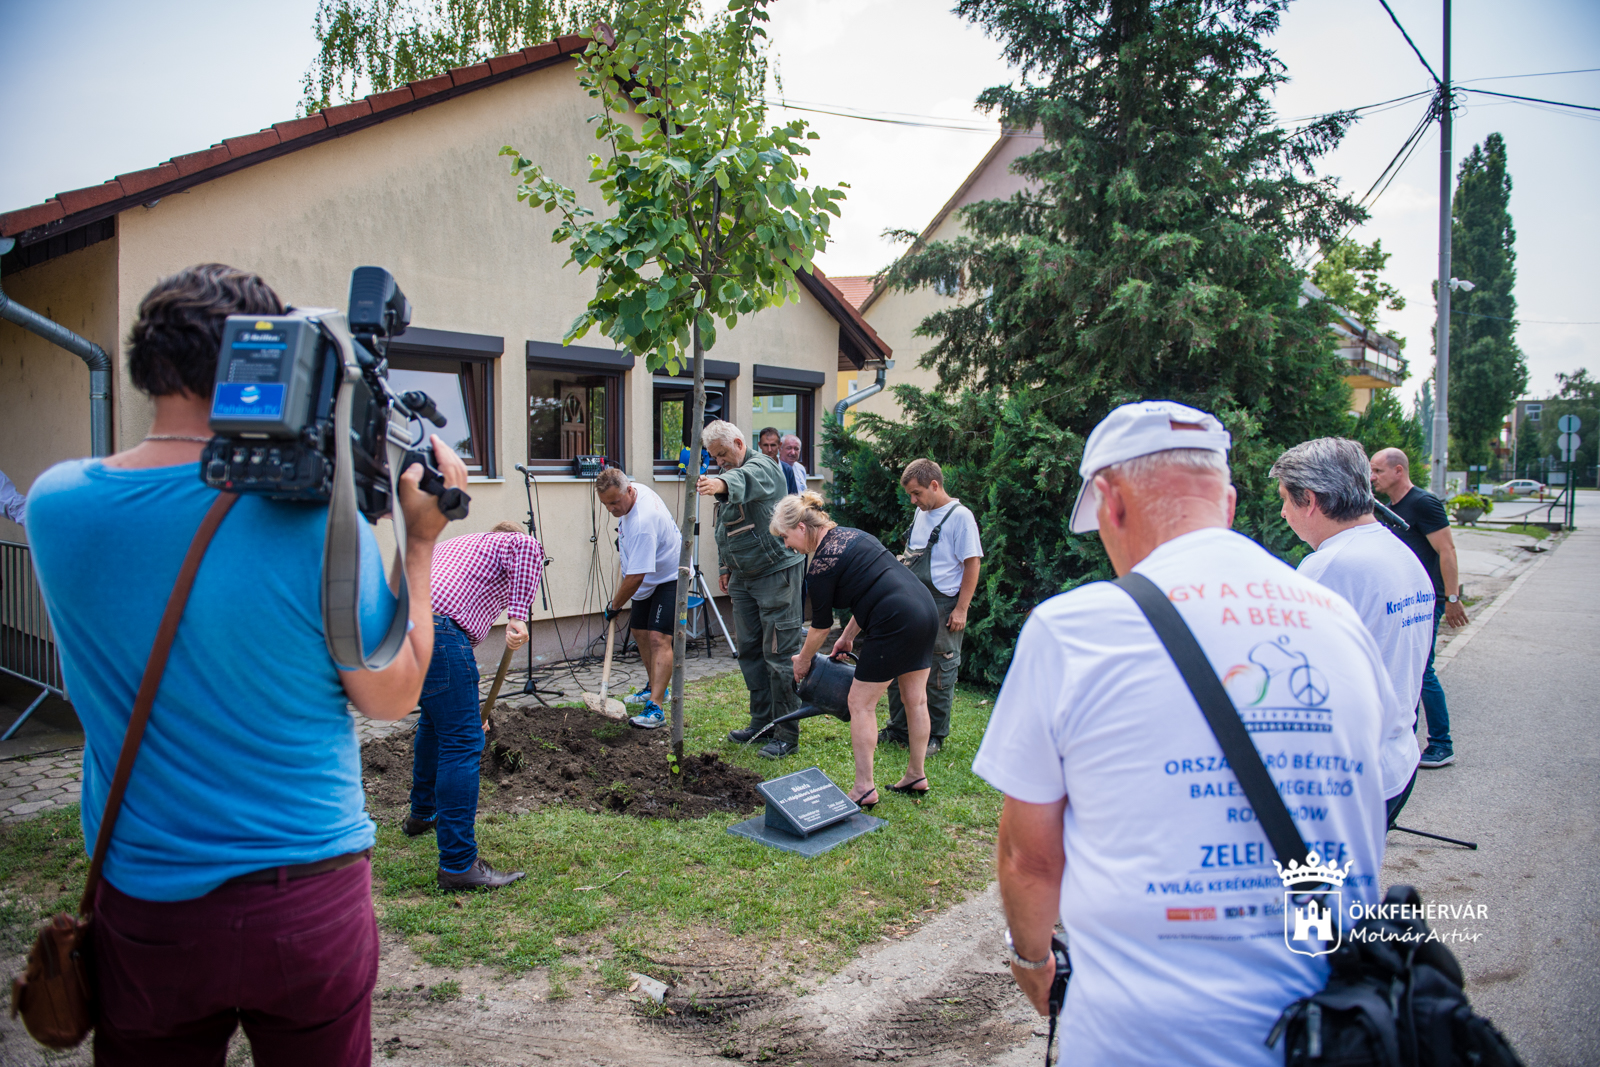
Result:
x=1487 y=370
x=1147 y=257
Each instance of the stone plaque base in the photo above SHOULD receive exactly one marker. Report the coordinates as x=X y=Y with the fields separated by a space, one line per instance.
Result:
x=813 y=844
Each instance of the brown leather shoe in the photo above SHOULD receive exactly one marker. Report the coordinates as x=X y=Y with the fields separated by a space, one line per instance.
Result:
x=479 y=876
x=415 y=827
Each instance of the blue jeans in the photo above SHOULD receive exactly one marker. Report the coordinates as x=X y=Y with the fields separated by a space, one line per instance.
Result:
x=1433 y=705
x=448 y=746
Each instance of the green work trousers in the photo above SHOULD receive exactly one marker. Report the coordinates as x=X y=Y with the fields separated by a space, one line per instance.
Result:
x=941 y=680
x=766 y=614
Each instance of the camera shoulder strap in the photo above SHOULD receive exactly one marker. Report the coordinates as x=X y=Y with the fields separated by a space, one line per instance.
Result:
x=1221 y=715
x=341 y=553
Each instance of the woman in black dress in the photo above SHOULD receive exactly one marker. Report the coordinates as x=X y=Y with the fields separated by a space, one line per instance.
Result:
x=892 y=611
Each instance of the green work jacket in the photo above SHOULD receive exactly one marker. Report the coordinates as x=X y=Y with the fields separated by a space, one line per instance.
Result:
x=745 y=545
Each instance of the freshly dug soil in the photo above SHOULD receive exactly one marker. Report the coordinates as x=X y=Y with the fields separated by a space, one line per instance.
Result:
x=538 y=756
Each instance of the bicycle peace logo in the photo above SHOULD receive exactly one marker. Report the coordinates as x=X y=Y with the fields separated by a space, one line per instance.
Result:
x=1278 y=689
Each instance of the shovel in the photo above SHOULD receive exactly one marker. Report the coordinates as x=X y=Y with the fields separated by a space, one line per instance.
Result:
x=494 y=690
x=610 y=707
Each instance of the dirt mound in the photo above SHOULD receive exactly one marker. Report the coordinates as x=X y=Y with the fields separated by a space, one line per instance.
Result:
x=538 y=756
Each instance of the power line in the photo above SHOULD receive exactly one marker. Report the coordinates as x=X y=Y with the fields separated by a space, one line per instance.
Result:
x=1540 y=74
x=1534 y=99
x=1396 y=20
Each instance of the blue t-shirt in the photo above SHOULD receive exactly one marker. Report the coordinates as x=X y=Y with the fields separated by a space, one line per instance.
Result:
x=250 y=759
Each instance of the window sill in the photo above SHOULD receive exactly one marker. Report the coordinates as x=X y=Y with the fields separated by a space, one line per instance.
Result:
x=477 y=479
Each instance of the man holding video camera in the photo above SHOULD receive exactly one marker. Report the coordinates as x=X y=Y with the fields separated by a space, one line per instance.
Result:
x=237 y=885
x=1122 y=819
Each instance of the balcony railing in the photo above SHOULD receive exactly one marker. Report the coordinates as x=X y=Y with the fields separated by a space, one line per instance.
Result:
x=27 y=644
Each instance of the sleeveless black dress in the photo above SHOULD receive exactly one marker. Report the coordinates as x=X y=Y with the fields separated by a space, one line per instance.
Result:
x=852 y=570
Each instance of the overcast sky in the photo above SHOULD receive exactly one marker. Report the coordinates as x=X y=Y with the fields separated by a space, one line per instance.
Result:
x=97 y=88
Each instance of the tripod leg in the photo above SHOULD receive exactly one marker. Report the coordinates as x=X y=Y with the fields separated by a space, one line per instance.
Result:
x=705 y=591
x=1437 y=837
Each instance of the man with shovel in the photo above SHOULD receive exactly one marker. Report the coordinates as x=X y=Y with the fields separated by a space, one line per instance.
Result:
x=475 y=578
x=648 y=543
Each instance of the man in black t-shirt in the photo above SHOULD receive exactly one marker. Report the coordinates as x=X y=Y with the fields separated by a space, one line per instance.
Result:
x=1429 y=537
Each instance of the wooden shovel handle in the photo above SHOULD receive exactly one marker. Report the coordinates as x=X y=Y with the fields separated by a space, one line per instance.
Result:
x=605 y=672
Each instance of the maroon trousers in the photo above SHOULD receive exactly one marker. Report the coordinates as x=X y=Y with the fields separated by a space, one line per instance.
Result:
x=294 y=963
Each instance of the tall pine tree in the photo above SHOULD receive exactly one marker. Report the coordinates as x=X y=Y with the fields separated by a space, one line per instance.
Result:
x=1487 y=370
x=1147 y=257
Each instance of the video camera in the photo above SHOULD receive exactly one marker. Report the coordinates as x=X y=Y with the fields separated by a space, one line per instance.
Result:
x=303 y=410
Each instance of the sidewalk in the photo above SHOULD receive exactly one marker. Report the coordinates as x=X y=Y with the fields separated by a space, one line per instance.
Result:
x=1522 y=681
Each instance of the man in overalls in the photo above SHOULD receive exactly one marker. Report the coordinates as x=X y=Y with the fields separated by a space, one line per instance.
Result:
x=945 y=552
x=761 y=576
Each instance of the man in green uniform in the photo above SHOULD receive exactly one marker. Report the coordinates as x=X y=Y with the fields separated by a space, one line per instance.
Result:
x=761 y=576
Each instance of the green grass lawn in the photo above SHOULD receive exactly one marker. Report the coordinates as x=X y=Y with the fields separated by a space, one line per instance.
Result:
x=692 y=878
x=688 y=879
x=1538 y=533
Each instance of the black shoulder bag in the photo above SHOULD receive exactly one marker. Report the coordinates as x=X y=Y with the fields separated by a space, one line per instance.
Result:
x=1394 y=996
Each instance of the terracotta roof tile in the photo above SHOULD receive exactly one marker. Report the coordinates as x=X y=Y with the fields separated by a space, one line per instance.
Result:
x=95 y=195
x=856 y=288
x=27 y=218
x=195 y=162
x=501 y=64
x=139 y=181
x=288 y=131
x=251 y=142
x=572 y=42
x=393 y=98
x=345 y=112
x=468 y=75
x=542 y=51
x=429 y=86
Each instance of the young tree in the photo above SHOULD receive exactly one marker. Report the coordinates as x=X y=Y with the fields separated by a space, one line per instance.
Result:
x=1348 y=273
x=1146 y=256
x=371 y=46
x=1487 y=370
x=709 y=220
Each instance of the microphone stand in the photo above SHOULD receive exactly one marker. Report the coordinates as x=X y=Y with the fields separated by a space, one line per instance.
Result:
x=531 y=687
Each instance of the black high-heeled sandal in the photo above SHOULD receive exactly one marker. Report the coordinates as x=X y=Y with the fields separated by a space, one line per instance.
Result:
x=862 y=803
x=910 y=789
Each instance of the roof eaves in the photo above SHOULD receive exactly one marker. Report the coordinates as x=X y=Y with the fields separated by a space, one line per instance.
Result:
x=79 y=207
x=857 y=339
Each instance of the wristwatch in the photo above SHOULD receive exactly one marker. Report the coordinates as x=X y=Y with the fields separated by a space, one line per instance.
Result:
x=1452 y=599
x=1027 y=965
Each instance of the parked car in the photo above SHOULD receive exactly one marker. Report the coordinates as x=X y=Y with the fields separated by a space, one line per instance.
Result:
x=1523 y=486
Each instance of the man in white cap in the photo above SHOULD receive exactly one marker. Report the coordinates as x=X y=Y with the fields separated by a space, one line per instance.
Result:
x=1122 y=819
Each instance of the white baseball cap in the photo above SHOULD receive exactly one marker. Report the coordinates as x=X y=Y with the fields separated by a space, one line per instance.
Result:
x=1138 y=430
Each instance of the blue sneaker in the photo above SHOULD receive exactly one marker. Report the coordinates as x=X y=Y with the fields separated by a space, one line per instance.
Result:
x=652 y=717
x=643 y=695
x=1436 y=755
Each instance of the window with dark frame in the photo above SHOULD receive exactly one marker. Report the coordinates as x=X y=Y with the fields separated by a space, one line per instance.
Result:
x=673 y=402
x=572 y=411
x=463 y=391
x=790 y=411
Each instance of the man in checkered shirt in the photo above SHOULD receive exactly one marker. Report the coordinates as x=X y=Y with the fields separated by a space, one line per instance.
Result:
x=475 y=578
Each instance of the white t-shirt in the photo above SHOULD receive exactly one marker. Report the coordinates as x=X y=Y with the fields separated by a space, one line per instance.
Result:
x=1173 y=909
x=1390 y=589
x=958 y=542
x=799 y=473
x=649 y=541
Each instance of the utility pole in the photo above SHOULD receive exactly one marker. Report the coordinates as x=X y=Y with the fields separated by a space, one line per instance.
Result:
x=1441 y=331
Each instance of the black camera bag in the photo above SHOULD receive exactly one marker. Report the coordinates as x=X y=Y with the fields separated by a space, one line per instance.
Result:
x=1394 y=996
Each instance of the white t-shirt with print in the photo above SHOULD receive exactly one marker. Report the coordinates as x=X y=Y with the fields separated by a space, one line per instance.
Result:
x=649 y=541
x=1390 y=589
x=958 y=542
x=1173 y=909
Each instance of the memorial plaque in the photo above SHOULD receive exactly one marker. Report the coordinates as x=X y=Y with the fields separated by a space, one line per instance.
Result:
x=805 y=802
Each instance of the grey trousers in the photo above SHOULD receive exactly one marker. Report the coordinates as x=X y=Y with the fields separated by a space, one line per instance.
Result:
x=941 y=680
x=766 y=614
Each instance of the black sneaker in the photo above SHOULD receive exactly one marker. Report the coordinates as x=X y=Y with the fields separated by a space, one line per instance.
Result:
x=479 y=876
x=780 y=749
x=415 y=827
x=934 y=745
x=745 y=736
x=887 y=738
x=1437 y=756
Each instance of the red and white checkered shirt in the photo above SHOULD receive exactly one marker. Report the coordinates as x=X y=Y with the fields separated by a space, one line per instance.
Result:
x=477 y=576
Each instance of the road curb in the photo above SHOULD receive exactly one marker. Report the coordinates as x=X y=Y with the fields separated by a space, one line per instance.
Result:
x=1460 y=641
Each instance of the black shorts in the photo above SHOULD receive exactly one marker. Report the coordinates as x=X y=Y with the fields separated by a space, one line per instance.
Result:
x=654 y=612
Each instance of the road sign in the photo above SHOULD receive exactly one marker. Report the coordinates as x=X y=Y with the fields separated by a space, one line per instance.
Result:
x=1568 y=442
x=1569 y=424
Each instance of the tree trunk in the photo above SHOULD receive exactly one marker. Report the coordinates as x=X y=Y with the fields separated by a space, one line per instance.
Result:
x=687 y=527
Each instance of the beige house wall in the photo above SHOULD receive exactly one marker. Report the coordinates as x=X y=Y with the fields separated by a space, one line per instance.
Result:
x=426 y=196
x=44 y=390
